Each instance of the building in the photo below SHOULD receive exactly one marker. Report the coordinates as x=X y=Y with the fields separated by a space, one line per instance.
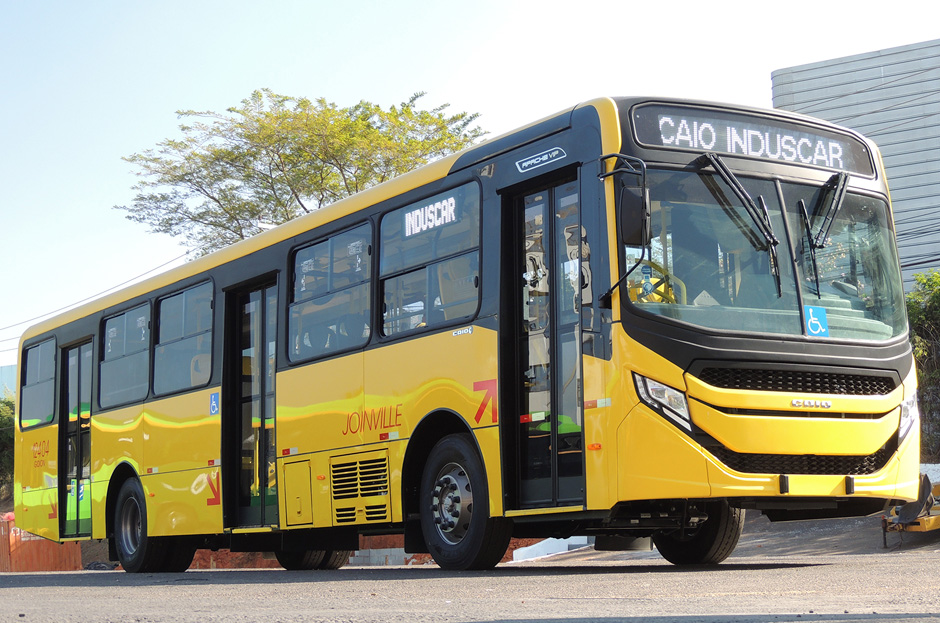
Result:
x=893 y=97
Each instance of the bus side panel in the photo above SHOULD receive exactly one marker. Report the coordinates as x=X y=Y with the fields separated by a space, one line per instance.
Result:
x=35 y=486
x=180 y=434
x=454 y=370
x=325 y=411
x=180 y=474
x=907 y=485
x=601 y=401
x=116 y=437
x=657 y=461
x=319 y=409
x=908 y=480
x=184 y=502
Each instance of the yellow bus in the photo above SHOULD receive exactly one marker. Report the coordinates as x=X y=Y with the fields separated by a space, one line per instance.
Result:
x=634 y=319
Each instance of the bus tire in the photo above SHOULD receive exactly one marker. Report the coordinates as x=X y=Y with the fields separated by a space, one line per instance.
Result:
x=710 y=544
x=137 y=551
x=179 y=556
x=300 y=560
x=455 y=509
x=335 y=559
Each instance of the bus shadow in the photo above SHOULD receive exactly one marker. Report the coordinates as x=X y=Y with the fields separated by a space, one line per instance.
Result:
x=361 y=574
x=743 y=618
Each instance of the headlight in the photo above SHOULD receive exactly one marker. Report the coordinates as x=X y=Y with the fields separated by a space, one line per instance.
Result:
x=910 y=416
x=665 y=400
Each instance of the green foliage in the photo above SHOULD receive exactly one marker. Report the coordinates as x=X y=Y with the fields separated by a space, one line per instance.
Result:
x=6 y=443
x=923 y=312
x=276 y=157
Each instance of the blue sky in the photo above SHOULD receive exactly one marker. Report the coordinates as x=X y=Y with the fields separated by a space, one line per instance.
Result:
x=83 y=84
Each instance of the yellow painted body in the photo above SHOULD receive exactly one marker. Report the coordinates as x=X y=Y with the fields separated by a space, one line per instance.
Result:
x=653 y=459
x=36 y=493
x=367 y=406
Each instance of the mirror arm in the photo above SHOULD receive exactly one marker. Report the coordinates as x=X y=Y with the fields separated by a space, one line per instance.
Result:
x=625 y=164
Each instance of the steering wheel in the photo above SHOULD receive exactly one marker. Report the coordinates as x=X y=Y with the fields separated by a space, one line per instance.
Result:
x=665 y=288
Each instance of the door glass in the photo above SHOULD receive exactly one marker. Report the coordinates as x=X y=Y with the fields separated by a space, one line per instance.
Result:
x=249 y=488
x=75 y=489
x=551 y=436
x=257 y=348
x=535 y=457
x=270 y=360
x=568 y=238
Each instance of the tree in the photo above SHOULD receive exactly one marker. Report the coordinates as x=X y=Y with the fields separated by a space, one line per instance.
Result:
x=6 y=444
x=923 y=314
x=276 y=157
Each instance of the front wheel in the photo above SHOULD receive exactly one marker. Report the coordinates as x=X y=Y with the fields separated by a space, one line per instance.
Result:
x=455 y=509
x=709 y=544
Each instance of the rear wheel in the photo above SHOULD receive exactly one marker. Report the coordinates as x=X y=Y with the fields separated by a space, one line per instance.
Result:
x=137 y=551
x=179 y=555
x=305 y=560
x=300 y=560
x=710 y=544
x=334 y=559
x=455 y=509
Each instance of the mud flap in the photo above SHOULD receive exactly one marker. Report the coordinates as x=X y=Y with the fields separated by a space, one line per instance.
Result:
x=909 y=512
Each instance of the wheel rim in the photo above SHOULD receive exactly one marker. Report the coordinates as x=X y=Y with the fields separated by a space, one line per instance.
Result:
x=452 y=503
x=129 y=535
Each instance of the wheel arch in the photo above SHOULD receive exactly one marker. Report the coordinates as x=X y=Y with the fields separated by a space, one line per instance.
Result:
x=121 y=474
x=432 y=428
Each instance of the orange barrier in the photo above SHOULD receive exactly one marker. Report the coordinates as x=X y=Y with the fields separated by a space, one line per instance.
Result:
x=224 y=559
x=22 y=551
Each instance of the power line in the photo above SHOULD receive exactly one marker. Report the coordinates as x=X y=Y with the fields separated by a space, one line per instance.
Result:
x=810 y=106
x=93 y=296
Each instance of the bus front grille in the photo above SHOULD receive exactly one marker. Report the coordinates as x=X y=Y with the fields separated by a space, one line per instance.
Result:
x=808 y=464
x=799 y=381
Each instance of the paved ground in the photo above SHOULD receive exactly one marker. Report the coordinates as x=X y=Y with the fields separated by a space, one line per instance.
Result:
x=762 y=538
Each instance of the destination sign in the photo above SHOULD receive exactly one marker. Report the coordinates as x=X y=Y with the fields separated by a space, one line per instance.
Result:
x=755 y=136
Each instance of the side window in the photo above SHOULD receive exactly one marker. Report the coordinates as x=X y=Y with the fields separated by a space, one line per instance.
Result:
x=430 y=261
x=125 y=359
x=183 y=355
x=38 y=391
x=330 y=309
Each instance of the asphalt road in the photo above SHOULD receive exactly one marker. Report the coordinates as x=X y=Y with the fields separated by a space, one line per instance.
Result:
x=834 y=572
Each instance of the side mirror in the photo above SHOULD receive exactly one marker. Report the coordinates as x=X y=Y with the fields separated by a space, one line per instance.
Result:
x=633 y=211
x=632 y=198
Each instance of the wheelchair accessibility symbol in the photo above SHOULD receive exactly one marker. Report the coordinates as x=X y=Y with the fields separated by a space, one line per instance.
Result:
x=815 y=319
x=214 y=405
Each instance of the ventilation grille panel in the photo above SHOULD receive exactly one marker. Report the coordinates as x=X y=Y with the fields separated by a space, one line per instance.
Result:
x=360 y=484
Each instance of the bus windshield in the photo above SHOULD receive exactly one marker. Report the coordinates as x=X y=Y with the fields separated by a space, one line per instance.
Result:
x=831 y=271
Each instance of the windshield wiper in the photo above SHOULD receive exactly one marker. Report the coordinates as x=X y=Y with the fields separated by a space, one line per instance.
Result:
x=833 y=201
x=811 y=242
x=757 y=211
x=830 y=204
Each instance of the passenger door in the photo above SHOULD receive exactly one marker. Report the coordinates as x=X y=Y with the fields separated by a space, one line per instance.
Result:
x=251 y=411
x=550 y=433
x=75 y=444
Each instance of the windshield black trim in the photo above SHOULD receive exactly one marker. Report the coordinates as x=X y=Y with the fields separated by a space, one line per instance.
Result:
x=683 y=344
